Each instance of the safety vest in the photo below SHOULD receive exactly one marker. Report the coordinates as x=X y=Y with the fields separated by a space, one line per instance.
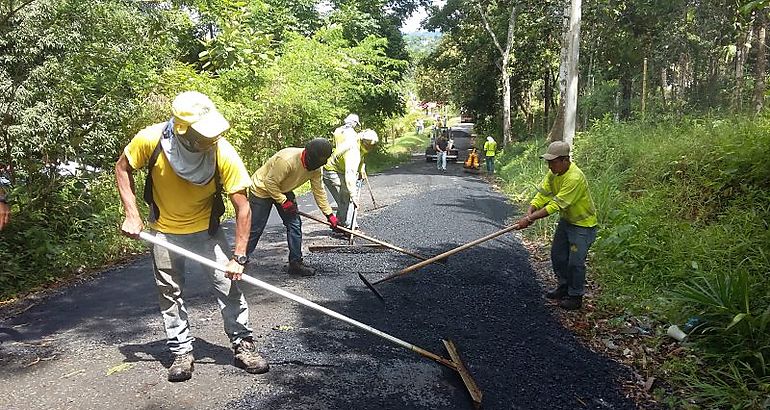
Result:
x=490 y=147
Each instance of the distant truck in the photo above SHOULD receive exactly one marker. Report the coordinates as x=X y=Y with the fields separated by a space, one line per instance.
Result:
x=461 y=140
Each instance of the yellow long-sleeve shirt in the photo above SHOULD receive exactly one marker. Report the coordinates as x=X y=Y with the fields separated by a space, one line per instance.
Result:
x=284 y=172
x=567 y=193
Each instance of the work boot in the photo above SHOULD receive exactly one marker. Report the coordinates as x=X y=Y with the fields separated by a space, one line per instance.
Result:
x=182 y=368
x=558 y=292
x=247 y=357
x=571 y=303
x=299 y=268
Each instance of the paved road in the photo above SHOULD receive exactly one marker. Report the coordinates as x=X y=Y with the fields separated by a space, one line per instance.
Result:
x=100 y=343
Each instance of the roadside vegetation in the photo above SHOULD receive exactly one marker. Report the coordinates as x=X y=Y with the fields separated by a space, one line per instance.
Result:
x=684 y=207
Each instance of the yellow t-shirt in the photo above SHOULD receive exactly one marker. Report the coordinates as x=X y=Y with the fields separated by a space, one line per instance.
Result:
x=184 y=207
x=284 y=172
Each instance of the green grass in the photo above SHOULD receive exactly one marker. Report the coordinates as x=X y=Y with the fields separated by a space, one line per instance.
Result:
x=684 y=208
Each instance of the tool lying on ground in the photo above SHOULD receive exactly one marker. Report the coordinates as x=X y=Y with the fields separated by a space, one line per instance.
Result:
x=436 y=258
x=363 y=236
x=364 y=247
x=454 y=362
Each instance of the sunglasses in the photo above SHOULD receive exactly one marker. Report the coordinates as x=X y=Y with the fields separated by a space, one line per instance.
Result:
x=197 y=142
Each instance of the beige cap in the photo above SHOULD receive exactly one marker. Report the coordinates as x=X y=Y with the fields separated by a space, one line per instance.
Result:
x=197 y=111
x=555 y=150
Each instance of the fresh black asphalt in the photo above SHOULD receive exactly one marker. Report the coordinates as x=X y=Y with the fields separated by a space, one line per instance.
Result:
x=100 y=344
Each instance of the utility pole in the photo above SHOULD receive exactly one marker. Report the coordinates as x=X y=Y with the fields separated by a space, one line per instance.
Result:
x=573 y=55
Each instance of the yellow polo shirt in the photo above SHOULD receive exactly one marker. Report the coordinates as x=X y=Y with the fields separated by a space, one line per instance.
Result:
x=184 y=207
x=284 y=172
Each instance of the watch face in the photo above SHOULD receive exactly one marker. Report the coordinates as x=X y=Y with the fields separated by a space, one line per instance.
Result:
x=242 y=259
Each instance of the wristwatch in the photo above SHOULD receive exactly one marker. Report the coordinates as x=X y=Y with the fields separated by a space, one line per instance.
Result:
x=241 y=259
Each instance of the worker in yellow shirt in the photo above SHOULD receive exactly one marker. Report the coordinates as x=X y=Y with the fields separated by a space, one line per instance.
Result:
x=344 y=171
x=565 y=189
x=490 y=150
x=273 y=185
x=189 y=166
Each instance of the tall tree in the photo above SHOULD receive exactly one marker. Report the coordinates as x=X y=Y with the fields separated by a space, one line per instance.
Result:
x=505 y=54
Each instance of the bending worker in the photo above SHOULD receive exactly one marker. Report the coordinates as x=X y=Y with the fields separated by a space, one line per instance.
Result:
x=344 y=171
x=272 y=185
x=565 y=189
x=189 y=166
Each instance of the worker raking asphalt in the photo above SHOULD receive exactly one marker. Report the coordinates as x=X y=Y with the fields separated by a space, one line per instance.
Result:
x=98 y=344
x=486 y=299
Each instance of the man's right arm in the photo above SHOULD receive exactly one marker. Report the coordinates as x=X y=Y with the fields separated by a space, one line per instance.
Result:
x=124 y=175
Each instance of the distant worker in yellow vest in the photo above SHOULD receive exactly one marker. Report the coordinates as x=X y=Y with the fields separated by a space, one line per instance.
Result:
x=346 y=133
x=273 y=185
x=343 y=174
x=189 y=166
x=490 y=149
x=565 y=189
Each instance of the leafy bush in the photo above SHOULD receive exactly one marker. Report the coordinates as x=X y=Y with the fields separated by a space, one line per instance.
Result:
x=683 y=207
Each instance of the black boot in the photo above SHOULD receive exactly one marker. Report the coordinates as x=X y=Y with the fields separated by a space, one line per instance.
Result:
x=571 y=303
x=558 y=292
x=299 y=268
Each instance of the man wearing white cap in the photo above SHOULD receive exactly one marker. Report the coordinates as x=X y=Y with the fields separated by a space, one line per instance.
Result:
x=490 y=149
x=189 y=166
x=344 y=171
x=565 y=189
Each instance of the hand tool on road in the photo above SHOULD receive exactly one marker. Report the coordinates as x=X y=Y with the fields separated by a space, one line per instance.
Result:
x=436 y=258
x=371 y=193
x=363 y=236
x=353 y=220
x=454 y=362
x=326 y=248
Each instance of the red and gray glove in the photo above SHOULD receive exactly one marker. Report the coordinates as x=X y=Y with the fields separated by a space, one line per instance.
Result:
x=333 y=221
x=289 y=207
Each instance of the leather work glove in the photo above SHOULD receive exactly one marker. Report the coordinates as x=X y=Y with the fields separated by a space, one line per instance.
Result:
x=333 y=221
x=289 y=207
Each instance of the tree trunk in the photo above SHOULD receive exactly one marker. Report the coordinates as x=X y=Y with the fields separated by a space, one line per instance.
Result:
x=505 y=76
x=761 y=67
x=557 y=128
x=741 y=52
x=570 y=112
x=625 y=96
x=663 y=85
x=547 y=96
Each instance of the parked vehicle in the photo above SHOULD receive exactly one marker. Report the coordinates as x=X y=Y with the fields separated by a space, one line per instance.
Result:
x=460 y=138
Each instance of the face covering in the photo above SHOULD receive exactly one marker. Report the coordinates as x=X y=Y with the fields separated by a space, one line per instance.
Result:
x=194 y=166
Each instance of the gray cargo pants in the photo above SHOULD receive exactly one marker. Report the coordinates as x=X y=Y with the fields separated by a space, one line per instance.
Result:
x=170 y=279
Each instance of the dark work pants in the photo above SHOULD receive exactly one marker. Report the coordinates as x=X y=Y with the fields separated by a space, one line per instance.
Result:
x=260 y=212
x=568 y=255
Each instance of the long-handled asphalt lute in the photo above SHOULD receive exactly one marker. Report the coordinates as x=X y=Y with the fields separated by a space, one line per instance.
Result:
x=354 y=219
x=371 y=192
x=436 y=258
x=364 y=236
x=454 y=362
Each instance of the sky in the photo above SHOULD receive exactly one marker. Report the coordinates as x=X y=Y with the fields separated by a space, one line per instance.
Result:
x=412 y=24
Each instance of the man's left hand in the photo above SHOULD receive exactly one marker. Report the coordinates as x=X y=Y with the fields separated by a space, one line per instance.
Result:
x=234 y=270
